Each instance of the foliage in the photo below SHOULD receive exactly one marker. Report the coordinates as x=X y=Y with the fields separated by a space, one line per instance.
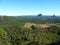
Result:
x=13 y=33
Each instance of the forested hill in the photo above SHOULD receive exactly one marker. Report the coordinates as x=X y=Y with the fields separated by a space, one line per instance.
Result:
x=29 y=30
x=10 y=20
x=26 y=19
x=40 y=19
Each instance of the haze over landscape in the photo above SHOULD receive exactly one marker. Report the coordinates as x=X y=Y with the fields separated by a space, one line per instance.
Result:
x=29 y=22
x=29 y=7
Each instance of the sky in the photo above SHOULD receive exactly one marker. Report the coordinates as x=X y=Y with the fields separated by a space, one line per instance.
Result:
x=29 y=7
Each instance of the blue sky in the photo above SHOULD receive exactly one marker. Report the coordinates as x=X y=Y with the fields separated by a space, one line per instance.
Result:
x=29 y=7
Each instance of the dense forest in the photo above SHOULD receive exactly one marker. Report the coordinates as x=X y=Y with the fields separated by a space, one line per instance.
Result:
x=29 y=30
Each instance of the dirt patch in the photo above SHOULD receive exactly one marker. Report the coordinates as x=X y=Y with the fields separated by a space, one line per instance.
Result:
x=28 y=25
x=43 y=25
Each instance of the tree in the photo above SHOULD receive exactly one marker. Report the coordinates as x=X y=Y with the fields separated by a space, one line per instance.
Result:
x=33 y=27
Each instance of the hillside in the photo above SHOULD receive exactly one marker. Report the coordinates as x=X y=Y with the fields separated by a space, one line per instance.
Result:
x=27 y=30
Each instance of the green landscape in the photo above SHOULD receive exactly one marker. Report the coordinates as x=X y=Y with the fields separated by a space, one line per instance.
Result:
x=29 y=30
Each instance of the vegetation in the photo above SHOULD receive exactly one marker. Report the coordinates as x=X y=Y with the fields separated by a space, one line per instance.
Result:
x=41 y=30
